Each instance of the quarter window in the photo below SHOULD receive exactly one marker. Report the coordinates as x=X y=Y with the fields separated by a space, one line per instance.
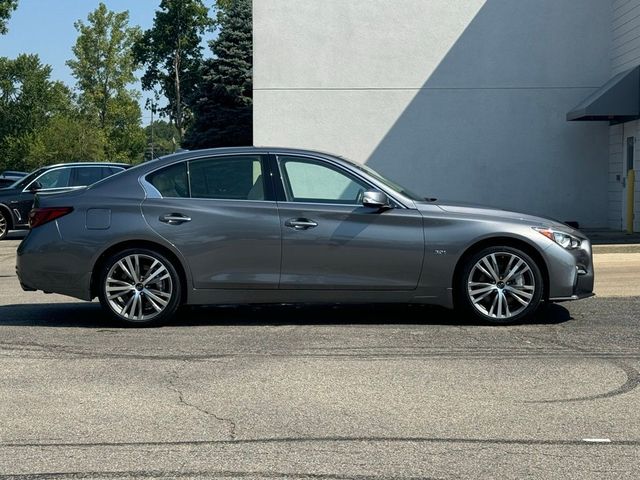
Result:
x=171 y=181
x=314 y=182
x=230 y=178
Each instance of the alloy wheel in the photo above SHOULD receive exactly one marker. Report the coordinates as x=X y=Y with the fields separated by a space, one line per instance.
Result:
x=501 y=285
x=138 y=287
x=4 y=225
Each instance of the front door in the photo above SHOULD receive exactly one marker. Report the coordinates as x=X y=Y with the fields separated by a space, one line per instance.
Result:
x=331 y=241
x=219 y=214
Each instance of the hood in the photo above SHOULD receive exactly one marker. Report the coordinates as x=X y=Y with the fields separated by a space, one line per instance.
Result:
x=490 y=213
x=9 y=192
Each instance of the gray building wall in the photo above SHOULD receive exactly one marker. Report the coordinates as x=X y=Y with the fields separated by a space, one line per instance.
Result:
x=625 y=54
x=458 y=99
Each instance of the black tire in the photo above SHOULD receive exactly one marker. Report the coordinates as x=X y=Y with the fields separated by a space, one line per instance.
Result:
x=500 y=299
x=163 y=290
x=5 y=224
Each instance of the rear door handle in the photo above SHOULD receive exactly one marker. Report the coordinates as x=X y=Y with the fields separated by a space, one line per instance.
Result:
x=300 y=223
x=174 y=218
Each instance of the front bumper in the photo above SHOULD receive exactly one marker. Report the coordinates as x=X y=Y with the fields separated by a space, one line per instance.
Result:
x=571 y=273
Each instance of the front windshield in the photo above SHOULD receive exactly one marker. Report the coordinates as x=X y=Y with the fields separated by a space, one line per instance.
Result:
x=388 y=183
x=23 y=182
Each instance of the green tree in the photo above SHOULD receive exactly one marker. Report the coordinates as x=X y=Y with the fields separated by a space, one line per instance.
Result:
x=65 y=138
x=6 y=8
x=104 y=68
x=28 y=100
x=223 y=104
x=161 y=139
x=172 y=55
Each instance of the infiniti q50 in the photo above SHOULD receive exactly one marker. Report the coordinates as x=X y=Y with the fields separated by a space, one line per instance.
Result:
x=269 y=225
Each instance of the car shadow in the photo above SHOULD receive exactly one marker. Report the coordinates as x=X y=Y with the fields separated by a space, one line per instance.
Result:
x=16 y=234
x=90 y=315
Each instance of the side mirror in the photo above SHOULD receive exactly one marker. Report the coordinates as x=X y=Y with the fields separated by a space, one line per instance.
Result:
x=35 y=186
x=375 y=199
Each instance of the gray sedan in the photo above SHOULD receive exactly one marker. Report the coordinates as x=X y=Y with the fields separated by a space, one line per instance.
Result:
x=267 y=225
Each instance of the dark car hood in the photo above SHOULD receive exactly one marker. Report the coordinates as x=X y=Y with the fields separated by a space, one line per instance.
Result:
x=8 y=192
x=496 y=213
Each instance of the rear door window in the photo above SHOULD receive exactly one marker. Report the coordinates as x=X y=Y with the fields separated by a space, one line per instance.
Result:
x=85 y=176
x=228 y=178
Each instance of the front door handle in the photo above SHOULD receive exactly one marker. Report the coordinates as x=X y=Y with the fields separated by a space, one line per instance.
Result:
x=300 y=223
x=174 y=218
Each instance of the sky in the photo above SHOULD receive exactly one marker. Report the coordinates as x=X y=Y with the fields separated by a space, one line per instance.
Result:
x=46 y=27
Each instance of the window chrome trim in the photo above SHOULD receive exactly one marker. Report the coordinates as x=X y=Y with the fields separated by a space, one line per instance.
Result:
x=401 y=202
x=150 y=189
x=62 y=167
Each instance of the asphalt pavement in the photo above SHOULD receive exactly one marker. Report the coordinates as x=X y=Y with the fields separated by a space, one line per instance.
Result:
x=359 y=392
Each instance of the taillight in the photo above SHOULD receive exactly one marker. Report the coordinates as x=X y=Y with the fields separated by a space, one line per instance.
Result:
x=40 y=216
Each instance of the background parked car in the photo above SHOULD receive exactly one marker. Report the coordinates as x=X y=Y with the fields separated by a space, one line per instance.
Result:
x=10 y=177
x=17 y=199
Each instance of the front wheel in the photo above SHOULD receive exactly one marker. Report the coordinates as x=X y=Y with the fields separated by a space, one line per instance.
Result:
x=139 y=287
x=500 y=285
x=4 y=225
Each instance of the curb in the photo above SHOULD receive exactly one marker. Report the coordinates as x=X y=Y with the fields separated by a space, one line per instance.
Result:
x=630 y=248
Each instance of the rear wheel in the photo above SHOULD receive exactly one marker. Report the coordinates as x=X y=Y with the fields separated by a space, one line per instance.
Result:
x=501 y=285
x=139 y=287
x=4 y=225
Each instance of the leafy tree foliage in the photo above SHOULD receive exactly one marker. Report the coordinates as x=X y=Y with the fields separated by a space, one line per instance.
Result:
x=172 y=55
x=223 y=104
x=163 y=140
x=65 y=138
x=104 y=67
x=6 y=8
x=29 y=99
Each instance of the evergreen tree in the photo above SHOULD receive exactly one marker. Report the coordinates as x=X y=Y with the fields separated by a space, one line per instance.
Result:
x=6 y=8
x=222 y=106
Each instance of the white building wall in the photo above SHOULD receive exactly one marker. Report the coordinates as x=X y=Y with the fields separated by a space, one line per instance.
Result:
x=625 y=35
x=458 y=99
x=625 y=54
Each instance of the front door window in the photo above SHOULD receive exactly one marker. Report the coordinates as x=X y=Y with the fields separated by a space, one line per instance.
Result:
x=308 y=181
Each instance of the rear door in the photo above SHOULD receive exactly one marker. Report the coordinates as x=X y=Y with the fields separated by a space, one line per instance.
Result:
x=221 y=214
x=331 y=241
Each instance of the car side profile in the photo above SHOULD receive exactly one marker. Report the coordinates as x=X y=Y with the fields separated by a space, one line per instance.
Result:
x=274 y=225
x=16 y=200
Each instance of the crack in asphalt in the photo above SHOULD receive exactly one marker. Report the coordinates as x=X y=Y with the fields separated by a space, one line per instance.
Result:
x=632 y=374
x=174 y=377
x=336 y=439
x=205 y=474
x=369 y=353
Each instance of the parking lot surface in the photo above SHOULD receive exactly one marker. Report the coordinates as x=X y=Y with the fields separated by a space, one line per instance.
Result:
x=359 y=392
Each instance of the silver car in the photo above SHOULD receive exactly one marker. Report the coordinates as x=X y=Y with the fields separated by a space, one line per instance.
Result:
x=271 y=225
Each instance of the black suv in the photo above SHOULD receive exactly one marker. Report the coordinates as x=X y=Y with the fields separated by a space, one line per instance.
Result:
x=17 y=199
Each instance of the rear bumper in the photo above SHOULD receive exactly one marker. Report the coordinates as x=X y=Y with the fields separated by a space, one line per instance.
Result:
x=56 y=268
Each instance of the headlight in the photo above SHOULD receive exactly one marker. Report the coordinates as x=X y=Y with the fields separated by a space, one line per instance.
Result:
x=563 y=239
